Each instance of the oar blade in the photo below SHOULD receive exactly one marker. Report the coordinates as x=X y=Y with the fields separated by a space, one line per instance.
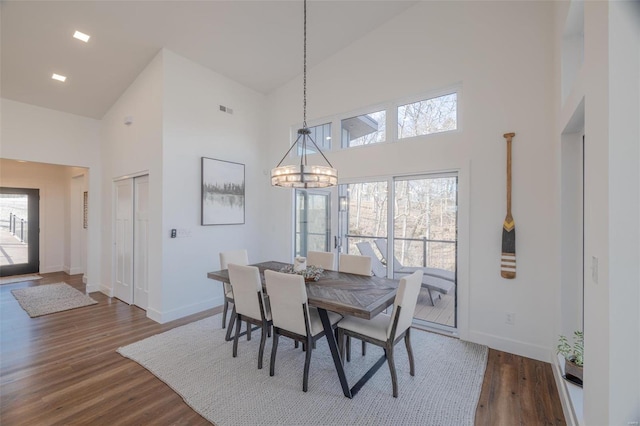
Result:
x=508 y=260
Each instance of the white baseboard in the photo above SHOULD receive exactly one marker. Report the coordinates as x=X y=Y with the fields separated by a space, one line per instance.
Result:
x=49 y=269
x=163 y=317
x=72 y=271
x=512 y=346
x=104 y=290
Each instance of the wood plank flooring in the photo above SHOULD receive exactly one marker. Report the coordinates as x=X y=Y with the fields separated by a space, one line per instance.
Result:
x=63 y=369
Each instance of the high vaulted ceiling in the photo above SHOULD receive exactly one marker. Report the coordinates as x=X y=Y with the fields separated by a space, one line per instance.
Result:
x=257 y=43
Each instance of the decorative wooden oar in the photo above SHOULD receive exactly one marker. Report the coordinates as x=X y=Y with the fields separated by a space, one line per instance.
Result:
x=508 y=261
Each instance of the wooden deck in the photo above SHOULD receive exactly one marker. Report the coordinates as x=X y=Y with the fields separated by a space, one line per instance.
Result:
x=442 y=313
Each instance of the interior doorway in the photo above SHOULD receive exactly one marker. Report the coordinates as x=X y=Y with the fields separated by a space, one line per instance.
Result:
x=19 y=231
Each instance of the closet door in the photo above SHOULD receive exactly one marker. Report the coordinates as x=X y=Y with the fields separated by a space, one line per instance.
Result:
x=123 y=239
x=140 y=241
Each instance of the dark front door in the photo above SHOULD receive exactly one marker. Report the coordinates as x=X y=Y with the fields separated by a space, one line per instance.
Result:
x=19 y=231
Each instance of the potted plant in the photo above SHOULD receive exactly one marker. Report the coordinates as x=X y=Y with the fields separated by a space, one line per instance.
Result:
x=573 y=357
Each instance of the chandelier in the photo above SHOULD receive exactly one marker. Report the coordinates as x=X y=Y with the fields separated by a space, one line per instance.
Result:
x=304 y=175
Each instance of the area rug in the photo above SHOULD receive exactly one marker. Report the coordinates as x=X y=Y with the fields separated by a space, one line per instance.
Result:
x=196 y=362
x=19 y=278
x=47 y=299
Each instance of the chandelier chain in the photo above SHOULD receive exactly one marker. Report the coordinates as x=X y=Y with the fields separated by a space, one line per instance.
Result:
x=304 y=71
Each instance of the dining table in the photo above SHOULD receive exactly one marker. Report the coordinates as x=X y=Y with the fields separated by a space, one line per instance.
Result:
x=361 y=296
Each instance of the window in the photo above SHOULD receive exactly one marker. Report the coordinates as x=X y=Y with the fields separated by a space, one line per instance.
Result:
x=321 y=135
x=434 y=112
x=428 y=116
x=364 y=129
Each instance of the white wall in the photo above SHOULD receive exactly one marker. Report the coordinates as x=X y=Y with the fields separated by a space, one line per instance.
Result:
x=624 y=211
x=608 y=83
x=502 y=54
x=42 y=135
x=174 y=104
x=194 y=127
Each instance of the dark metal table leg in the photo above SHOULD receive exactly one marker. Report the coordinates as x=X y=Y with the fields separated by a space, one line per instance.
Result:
x=227 y=337
x=331 y=339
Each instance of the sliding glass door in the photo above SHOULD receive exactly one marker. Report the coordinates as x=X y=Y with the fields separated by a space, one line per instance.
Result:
x=19 y=231
x=415 y=220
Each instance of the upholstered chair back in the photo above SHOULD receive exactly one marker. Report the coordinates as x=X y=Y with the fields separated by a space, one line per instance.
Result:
x=323 y=259
x=378 y=268
x=247 y=290
x=287 y=293
x=239 y=257
x=406 y=298
x=354 y=264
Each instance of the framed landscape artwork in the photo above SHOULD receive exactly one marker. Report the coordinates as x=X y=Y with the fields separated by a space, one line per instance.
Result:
x=222 y=192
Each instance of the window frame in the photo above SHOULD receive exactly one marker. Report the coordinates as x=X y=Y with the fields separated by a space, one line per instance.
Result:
x=391 y=124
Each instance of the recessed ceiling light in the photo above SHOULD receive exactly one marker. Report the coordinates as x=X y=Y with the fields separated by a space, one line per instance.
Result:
x=81 y=36
x=59 y=77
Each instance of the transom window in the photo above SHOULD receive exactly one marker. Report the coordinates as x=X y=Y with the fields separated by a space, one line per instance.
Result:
x=435 y=113
x=428 y=116
x=364 y=129
x=321 y=135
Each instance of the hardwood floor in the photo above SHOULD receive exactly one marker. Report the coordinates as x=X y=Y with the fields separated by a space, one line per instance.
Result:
x=63 y=369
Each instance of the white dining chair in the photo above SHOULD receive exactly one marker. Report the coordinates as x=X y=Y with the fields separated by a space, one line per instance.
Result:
x=360 y=265
x=387 y=330
x=239 y=257
x=366 y=249
x=323 y=259
x=292 y=316
x=249 y=303
x=355 y=264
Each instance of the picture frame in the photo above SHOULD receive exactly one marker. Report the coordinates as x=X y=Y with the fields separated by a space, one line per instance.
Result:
x=223 y=192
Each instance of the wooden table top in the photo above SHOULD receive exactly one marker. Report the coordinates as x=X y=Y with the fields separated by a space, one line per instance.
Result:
x=349 y=294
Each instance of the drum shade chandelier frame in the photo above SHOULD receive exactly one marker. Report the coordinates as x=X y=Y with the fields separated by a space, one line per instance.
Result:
x=304 y=175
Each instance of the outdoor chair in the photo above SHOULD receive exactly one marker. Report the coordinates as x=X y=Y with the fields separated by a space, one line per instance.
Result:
x=434 y=279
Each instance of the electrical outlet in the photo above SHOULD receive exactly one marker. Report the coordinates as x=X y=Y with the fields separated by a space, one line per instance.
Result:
x=510 y=318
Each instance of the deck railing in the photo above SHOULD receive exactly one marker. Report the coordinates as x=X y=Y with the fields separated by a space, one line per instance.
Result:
x=18 y=227
x=425 y=244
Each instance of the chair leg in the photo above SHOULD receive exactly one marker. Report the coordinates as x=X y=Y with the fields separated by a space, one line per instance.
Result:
x=348 y=348
x=364 y=348
x=263 y=340
x=237 y=335
x=224 y=312
x=431 y=297
x=407 y=342
x=295 y=344
x=307 y=362
x=274 y=349
x=232 y=321
x=340 y=340
x=392 y=370
x=248 y=331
